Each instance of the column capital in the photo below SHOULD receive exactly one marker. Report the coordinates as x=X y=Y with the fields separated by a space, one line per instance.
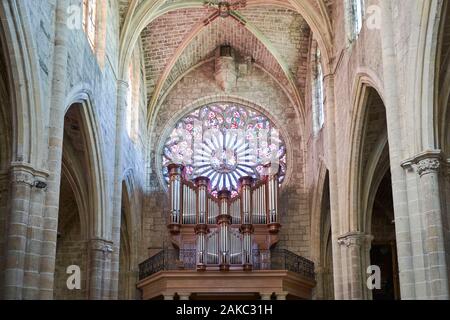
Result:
x=424 y=163
x=103 y=245
x=25 y=173
x=354 y=238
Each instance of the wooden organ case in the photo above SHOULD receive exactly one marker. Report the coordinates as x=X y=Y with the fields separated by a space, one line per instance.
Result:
x=225 y=232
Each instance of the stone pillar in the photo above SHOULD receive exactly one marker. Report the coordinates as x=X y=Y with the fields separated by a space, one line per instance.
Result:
x=334 y=196
x=22 y=181
x=4 y=196
x=357 y=247
x=122 y=89
x=396 y=144
x=100 y=252
x=35 y=231
x=56 y=133
x=430 y=226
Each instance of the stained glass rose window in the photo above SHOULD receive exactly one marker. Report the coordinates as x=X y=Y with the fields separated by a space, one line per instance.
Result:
x=224 y=142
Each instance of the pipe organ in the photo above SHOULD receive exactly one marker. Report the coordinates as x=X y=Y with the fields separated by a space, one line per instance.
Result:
x=223 y=230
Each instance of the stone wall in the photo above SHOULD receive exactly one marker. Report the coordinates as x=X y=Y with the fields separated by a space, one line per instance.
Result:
x=261 y=90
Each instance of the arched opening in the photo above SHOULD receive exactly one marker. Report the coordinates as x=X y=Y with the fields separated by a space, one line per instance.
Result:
x=384 y=252
x=70 y=248
x=76 y=195
x=5 y=153
x=376 y=198
x=326 y=245
x=443 y=118
x=127 y=281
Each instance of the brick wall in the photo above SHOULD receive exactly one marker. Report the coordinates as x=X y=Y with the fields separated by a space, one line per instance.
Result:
x=263 y=91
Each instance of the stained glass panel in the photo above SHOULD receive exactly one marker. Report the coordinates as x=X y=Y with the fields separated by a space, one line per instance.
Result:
x=224 y=142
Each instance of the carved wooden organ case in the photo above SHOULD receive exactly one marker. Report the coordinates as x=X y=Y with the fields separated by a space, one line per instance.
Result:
x=224 y=232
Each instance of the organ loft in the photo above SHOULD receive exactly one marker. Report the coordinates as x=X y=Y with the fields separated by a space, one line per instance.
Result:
x=224 y=245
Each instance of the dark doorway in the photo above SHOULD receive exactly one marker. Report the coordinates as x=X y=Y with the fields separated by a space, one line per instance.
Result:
x=384 y=256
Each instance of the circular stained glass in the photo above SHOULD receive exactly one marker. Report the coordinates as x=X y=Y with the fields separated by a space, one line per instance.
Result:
x=224 y=142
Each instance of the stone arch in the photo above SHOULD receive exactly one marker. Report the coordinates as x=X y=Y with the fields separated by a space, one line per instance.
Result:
x=5 y=158
x=321 y=236
x=363 y=92
x=443 y=82
x=167 y=92
x=23 y=84
x=291 y=89
x=72 y=243
x=139 y=17
x=81 y=216
x=423 y=97
x=129 y=239
x=383 y=249
x=442 y=126
x=21 y=120
x=232 y=99
x=80 y=97
x=369 y=179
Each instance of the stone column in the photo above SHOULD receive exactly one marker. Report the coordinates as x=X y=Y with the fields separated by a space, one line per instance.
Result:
x=431 y=226
x=56 y=133
x=34 y=241
x=122 y=89
x=4 y=196
x=356 y=245
x=22 y=181
x=100 y=252
x=396 y=144
x=334 y=195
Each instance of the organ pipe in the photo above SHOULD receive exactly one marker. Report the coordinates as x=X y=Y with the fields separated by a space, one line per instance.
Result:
x=223 y=221
x=201 y=229
x=175 y=197
x=272 y=183
x=246 y=228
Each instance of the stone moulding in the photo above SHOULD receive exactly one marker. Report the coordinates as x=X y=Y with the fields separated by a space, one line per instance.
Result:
x=425 y=162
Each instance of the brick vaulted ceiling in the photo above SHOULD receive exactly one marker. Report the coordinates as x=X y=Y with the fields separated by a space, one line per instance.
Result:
x=275 y=37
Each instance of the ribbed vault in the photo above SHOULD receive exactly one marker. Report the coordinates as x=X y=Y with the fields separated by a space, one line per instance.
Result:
x=175 y=37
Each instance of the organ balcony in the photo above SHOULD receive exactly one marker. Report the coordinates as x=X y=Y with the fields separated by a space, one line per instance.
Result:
x=224 y=236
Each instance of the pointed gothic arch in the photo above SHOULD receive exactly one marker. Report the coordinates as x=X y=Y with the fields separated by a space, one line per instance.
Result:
x=129 y=239
x=27 y=119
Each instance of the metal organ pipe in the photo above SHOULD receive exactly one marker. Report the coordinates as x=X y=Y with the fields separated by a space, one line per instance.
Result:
x=224 y=221
x=199 y=201
x=175 y=194
x=273 y=195
x=246 y=228
x=272 y=185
